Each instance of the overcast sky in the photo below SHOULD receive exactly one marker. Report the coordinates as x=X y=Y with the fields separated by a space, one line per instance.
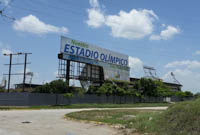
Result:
x=161 y=34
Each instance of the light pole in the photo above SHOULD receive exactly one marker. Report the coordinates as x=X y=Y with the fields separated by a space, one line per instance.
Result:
x=9 y=74
x=10 y=66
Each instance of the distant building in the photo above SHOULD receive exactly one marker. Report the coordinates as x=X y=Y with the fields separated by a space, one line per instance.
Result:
x=3 y=84
x=27 y=85
x=172 y=86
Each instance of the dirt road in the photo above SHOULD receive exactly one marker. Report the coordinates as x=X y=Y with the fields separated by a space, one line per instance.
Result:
x=50 y=122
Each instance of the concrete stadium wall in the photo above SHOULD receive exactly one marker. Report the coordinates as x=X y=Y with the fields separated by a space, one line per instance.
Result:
x=35 y=99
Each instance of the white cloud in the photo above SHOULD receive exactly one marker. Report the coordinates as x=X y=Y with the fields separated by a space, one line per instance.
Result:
x=135 y=24
x=32 y=24
x=136 y=66
x=5 y=2
x=163 y=25
x=95 y=18
x=6 y=51
x=187 y=73
x=188 y=78
x=94 y=3
x=169 y=32
x=55 y=73
x=166 y=34
x=186 y=63
x=155 y=37
x=197 y=52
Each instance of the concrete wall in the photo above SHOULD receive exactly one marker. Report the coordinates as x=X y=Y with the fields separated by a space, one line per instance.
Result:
x=33 y=99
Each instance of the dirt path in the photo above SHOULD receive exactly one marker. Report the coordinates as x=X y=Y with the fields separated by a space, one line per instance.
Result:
x=51 y=122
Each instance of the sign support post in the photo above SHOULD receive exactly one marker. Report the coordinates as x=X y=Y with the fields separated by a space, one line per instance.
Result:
x=68 y=72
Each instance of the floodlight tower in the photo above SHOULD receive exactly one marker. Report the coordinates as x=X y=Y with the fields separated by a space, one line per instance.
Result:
x=150 y=72
x=31 y=74
x=174 y=78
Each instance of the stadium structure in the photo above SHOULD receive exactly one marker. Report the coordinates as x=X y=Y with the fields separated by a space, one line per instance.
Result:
x=91 y=65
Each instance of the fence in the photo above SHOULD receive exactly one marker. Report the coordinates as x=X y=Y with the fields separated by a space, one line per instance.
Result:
x=33 y=99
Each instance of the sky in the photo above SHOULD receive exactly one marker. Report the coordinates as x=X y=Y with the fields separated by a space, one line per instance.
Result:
x=160 y=34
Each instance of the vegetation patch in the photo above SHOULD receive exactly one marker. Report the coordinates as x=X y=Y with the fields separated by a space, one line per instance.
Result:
x=77 y=106
x=179 y=119
x=138 y=120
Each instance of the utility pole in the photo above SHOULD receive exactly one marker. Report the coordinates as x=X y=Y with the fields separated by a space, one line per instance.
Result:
x=9 y=74
x=10 y=67
x=25 y=62
x=24 y=79
x=68 y=72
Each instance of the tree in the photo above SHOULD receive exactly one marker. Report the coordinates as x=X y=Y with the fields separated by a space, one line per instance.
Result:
x=59 y=86
x=43 y=89
x=56 y=86
x=120 y=92
x=147 y=86
x=152 y=88
x=92 y=90
x=197 y=95
x=162 y=90
x=180 y=94
x=69 y=96
x=106 y=89
x=189 y=94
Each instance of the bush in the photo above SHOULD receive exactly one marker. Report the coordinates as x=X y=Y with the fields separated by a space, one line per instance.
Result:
x=152 y=88
x=189 y=94
x=43 y=89
x=56 y=86
x=180 y=119
x=106 y=89
x=69 y=96
x=197 y=95
x=92 y=90
x=2 y=90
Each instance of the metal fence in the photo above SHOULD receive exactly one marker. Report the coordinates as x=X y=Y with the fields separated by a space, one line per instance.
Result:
x=34 y=99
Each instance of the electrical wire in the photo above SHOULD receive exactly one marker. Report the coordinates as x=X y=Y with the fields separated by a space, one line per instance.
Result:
x=2 y=11
x=78 y=13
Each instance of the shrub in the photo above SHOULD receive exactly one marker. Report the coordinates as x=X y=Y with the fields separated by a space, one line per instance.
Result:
x=43 y=89
x=56 y=86
x=189 y=94
x=180 y=119
x=69 y=96
x=92 y=89
x=107 y=89
x=2 y=90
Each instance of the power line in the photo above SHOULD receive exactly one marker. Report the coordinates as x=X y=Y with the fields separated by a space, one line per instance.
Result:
x=2 y=11
x=11 y=64
x=54 y=7
x=60 y=8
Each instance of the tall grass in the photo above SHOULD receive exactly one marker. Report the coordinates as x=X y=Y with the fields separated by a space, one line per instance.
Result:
x=180 y=119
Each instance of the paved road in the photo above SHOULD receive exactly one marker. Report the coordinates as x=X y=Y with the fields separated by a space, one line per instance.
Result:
x=51 y=122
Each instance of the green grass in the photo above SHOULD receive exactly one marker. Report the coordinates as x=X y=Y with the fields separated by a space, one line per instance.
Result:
x=74 y=106
x=141 y=120
x=179 y=119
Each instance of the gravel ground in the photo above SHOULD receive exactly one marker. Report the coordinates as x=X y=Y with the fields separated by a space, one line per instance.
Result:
x=51 y=122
